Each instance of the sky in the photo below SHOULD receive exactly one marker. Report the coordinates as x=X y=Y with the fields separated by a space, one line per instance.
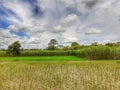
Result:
x=35 y=22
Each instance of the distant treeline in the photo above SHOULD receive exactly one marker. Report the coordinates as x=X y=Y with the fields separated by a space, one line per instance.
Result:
x=95 y=51
x=90 y=53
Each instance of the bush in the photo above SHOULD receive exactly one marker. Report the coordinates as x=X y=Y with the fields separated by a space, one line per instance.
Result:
x=46 y=53
x=99 y=53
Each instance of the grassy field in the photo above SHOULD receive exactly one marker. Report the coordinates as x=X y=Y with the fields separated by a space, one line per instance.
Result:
x=60 y=75
x=42 y=58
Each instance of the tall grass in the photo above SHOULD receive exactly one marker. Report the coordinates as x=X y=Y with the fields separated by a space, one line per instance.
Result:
x=46 y=53
x=99 y=53
x=2 y=53
x=95 y=75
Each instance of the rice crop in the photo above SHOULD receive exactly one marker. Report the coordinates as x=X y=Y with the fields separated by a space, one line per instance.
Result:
x=57 y=75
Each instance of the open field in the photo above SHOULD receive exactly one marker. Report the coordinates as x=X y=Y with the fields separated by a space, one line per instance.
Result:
x=60 y=75
x=42 y=58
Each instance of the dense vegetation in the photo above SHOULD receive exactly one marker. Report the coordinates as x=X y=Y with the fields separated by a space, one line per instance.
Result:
x=99 y=53
x=95 y=51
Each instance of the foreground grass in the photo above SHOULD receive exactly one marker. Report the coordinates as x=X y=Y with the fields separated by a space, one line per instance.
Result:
x=60 y=75
x=41 y=58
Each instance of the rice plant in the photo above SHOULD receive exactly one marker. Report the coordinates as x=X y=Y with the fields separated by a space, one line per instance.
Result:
x=69 y=75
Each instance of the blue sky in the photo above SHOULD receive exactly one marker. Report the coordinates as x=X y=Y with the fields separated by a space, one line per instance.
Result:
x=35 y=22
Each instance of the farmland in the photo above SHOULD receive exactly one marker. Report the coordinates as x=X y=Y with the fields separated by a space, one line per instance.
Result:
x=60 y=75
x=42 y=58
x=94 y=67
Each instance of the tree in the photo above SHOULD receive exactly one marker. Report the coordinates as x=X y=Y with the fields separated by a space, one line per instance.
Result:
x=110 y=44
x=52 y=45
x=75 y=45
x=14 y=48
x=94 y=44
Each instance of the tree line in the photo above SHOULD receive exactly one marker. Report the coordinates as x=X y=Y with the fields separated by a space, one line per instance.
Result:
x=95 y=51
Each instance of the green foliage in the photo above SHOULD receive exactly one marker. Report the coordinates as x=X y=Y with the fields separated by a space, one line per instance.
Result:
x=65 y=48
x=77 y=47
x=52 y=45
x=99 y=53
x=14 y=48
x=74 y=44
x=110 y=51
x=94 y=44
x=110 y=44
x=46 y=53
x=90 y=52
x=2 y=53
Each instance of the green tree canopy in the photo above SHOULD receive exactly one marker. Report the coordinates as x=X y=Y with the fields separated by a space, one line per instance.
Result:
x=94 y=44
x=74 y=44
x=14 y=48
x=52 y=45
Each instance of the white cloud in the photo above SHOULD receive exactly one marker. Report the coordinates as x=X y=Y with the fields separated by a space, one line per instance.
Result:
x=84 y=21
x=6 y=37
x=69 y=20
x=93 y=31
x=21 y=9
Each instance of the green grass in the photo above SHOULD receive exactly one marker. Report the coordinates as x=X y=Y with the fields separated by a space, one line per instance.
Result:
x=60 y=75
x=2 y=53
x=42 y=58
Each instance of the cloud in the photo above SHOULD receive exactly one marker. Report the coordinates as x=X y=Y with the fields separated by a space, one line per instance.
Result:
x=6 y=37
x=84 y=21
x=93 y=31
x=90 y=3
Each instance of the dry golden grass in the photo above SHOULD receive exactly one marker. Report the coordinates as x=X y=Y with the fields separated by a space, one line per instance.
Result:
x=67 y=75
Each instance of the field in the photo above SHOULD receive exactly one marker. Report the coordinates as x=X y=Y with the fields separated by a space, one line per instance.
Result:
x=60 y=75
x=42 y=58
